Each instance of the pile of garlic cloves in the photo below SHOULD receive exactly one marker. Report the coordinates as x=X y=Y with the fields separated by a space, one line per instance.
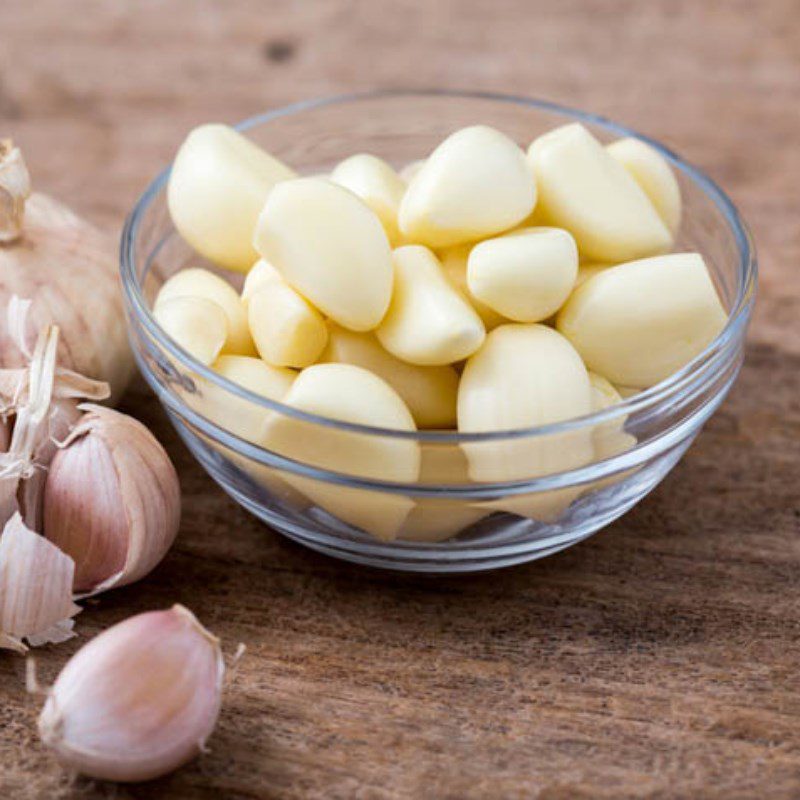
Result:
x=89 y=499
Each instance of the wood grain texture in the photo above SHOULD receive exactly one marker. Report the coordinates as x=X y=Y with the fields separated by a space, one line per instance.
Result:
x=658 y=659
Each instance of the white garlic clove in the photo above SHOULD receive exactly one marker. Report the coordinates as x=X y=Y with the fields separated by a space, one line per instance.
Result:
x=111 y=501
x=35 y=589
x=331 y=247
x=139 y=700
x=378 y=185
x=475 y=184
x=196 y=282
x=654 y=175
x=429 y=322
x=217 y=187
x=198 y=325
x=260 y=274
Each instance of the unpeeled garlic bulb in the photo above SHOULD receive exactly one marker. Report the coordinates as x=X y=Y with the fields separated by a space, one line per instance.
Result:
x=42 y=399
x=111 y=501
x=35 y=589
x=69 y=269
x=139 y=700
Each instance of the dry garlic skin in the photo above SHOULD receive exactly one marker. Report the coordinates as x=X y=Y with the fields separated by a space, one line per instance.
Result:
x=475 y=184
x=349 y=394
x=639 y=322
x=287 y=330
x=198 y=325
x=428 y=321
x=137 y=701
x=654 y=175
x=377 y=184
x=330 y=247
x=429 y=392
x=196 y=282
x=585 y=190
x=524 y=376
x=525 y=275
x=217 y=188
x=454 y=264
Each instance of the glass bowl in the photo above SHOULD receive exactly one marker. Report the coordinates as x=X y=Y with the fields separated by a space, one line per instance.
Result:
x=450 y=519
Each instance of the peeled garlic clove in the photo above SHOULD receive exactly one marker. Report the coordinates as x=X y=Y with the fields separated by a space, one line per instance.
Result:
x=609 y=438
x=654 y=175
x=287 y=329
x=217 y=188
x=525 y=376
x=329 y=246
x=525 y=275
x=378 y=185
x=637 y=323
x=476 y=183
x=197 y=282
x=428 y=321
x=198 y=325
x=350 y=394
x=432 y=519
x=260 y=274
x=35 y=589
x=139 y=700
x=240 y=416
x=111 y=501
x=583 y=189
x=410 y=170
x=429 y=392
x=454 y=264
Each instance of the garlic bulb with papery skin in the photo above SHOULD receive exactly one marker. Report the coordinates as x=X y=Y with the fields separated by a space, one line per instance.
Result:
x=35 y=589
x=139 y=700
x=111 y=501
x=69 y=268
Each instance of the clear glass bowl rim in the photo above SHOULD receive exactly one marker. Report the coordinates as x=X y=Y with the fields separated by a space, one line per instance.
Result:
x=710 y=361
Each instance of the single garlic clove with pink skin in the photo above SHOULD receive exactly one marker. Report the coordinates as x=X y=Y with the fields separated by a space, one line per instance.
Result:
x=111 y=501
x=35 y=589
x=139 y=700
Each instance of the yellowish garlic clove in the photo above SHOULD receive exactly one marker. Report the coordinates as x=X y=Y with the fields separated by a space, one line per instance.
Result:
x=287 y=330
x=217 y=188
x=111 y=501
x=331 y=247
x=35 y=589
x=260 y=274
x=475 y=184
x=138 y=701
x=429 y=392
x=198 y=325
x=429 y=322
x=378 y=185
x=196 y=282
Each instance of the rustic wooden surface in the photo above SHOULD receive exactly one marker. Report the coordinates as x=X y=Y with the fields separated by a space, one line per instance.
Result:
x=658 y=659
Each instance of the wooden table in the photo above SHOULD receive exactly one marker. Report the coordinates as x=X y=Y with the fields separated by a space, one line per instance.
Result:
x=658 y=659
